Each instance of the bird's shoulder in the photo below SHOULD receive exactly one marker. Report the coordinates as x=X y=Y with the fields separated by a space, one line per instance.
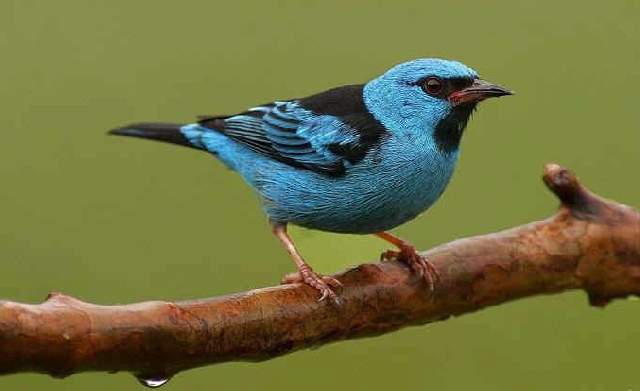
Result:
x=326 y=132
x=338 y=101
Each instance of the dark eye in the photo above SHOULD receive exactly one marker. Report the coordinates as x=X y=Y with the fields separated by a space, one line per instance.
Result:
x=432 y=86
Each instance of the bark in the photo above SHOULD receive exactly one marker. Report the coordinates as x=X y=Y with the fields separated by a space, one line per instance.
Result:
x=591 y=244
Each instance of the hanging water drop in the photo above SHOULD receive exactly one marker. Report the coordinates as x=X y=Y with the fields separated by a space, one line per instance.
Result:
x=153 y=381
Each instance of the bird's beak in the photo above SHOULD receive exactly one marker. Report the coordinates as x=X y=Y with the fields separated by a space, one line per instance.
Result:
x=478 y=91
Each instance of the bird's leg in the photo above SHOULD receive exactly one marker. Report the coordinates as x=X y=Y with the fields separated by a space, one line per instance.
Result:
x=407 y=253
x=305 y=274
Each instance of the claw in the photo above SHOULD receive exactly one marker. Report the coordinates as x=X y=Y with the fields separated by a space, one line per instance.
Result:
x=323 y=284
x=325 y=293
x=418 y=264
x=305 y=274
x=332 y=281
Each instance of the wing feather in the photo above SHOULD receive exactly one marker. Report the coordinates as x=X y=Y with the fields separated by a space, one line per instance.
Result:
x=291 y=133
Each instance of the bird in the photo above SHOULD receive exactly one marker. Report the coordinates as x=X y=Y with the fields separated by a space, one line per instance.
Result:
x=355 y=159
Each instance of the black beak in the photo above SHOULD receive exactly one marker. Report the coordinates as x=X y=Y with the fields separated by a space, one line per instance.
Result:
x=478 y=91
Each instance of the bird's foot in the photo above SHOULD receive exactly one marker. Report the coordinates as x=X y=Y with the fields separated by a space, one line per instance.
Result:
x=419 y=264
x=321 y=283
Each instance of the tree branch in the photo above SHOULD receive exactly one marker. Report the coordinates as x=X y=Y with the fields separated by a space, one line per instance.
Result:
x=590 y=244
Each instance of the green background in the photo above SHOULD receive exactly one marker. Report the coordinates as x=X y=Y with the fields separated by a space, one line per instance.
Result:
x=114 y=220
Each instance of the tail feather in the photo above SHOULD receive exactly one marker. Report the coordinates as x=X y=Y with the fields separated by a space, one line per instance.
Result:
x=166 y=132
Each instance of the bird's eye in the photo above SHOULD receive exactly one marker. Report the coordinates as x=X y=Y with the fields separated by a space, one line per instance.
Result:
x=432 y=86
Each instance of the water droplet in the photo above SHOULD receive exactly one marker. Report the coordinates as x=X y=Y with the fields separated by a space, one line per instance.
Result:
x=153 y=381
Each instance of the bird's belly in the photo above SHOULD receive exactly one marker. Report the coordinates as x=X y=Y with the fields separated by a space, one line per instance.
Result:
x=361 y=202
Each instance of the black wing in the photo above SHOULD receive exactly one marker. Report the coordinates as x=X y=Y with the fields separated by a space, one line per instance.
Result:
x=325 y=133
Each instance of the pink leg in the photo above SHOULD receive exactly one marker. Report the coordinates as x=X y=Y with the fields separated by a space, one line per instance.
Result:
x=305 y=273
x=408 y=254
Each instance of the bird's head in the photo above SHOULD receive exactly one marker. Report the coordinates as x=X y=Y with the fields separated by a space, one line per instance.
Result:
x=430 y=97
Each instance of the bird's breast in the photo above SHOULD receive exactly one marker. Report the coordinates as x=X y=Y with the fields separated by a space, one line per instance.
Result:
x=391 y=186
x=418 y=174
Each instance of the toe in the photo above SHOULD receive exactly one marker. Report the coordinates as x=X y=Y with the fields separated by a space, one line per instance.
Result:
x=322 y=284
x=430 y=275
x=429 y=280
x=422 y=267
x=418 y=268
x=432 y=270
x=325 y=293
x=332 y=282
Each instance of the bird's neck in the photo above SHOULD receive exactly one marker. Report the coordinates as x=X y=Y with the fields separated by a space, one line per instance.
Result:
x=448 y=131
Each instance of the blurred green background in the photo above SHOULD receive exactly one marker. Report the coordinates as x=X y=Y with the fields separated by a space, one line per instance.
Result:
x=114 y=220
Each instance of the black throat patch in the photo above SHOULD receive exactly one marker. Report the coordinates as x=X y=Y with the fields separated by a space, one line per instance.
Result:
x=449 y=130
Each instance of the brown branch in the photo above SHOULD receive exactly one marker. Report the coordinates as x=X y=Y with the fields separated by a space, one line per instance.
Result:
x=590 y=244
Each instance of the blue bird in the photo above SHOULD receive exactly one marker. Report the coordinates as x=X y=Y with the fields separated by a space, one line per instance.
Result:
x=358 y=159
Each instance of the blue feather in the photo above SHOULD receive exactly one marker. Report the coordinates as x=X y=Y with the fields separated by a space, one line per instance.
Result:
x=355 y=159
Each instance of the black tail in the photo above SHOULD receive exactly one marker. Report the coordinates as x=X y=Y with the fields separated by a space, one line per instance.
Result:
x=169 y=133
